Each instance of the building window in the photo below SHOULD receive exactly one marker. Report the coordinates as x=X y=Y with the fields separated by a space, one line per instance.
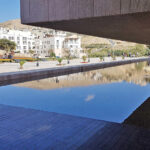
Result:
x=24 y=42
x=18 y=47
x=71 y=41
x=57 y=45
x=52 y=47
x=24 y=38
x=24 y=47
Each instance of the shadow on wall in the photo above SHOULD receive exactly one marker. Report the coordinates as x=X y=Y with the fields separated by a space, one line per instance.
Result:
x=141 y=116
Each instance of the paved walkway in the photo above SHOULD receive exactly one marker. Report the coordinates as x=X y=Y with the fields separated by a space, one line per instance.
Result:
x=11 y=67
x=27 y=129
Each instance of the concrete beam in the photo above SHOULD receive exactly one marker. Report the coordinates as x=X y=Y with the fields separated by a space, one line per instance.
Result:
x=23 y=76
x=127 y=20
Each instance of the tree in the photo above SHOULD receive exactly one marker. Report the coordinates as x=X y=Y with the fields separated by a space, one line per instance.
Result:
x=7 y=45
x=67 y=53
x=31 y=52
x=52 y=54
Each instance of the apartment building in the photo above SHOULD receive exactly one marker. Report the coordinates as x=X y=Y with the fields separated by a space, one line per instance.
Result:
x=73 y=44
x=43 y=43
x=24 y=40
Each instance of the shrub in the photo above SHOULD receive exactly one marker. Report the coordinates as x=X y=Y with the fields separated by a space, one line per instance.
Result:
x=84 y=58
x=114 y=57
x=5 y=60
x=101 y=58
x=123 y=57
x=59 y=60
x=21 y=64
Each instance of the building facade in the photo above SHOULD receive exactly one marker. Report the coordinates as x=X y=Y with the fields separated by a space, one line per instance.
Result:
x=24 y=40
x=72 y=44
x=51 y=42
x=58 y=42
x=44 y=43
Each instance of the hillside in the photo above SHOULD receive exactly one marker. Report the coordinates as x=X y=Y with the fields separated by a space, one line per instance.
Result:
x=15 y=24
x=86 y=40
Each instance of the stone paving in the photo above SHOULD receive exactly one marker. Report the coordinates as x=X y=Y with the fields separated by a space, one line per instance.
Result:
x=11 y=67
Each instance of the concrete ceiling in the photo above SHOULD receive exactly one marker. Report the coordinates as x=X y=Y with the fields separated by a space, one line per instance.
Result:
x=127 y=20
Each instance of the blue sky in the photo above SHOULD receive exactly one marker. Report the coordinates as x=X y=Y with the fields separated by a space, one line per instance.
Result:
x=9 y=9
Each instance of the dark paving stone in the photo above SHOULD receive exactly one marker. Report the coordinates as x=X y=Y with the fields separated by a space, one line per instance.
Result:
x=27 y=129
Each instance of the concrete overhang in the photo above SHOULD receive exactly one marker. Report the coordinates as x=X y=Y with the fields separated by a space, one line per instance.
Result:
x=127 y=20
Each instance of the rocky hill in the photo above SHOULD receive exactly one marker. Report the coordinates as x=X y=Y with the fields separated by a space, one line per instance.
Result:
x=15 y=24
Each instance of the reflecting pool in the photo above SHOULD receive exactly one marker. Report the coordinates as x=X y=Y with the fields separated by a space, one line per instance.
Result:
x=109 y=94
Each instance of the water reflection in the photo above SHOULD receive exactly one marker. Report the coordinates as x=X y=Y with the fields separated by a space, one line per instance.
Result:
x=138 y=73
x=109 y=94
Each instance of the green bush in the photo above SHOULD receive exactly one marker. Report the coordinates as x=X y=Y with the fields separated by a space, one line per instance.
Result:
x=84 y=58
x=21 y=64
x=101 y=58
x=59 y=60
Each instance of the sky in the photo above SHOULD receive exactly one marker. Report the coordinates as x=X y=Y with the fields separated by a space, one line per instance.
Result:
x=9 y=9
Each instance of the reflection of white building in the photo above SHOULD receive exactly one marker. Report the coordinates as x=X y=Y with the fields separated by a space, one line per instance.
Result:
x=23 y=39
x=44 y=43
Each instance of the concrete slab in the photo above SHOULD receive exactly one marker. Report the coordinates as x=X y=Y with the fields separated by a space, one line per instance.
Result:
x=22 y=129
x=117 y=19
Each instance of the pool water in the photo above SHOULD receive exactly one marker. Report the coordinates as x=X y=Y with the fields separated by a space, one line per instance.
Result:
x=109 y=94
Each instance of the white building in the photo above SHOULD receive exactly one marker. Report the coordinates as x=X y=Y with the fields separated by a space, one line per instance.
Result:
x=50 y=42
x=43 y=43
x=73 y=44
x=58 y=42
x=24 y=40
